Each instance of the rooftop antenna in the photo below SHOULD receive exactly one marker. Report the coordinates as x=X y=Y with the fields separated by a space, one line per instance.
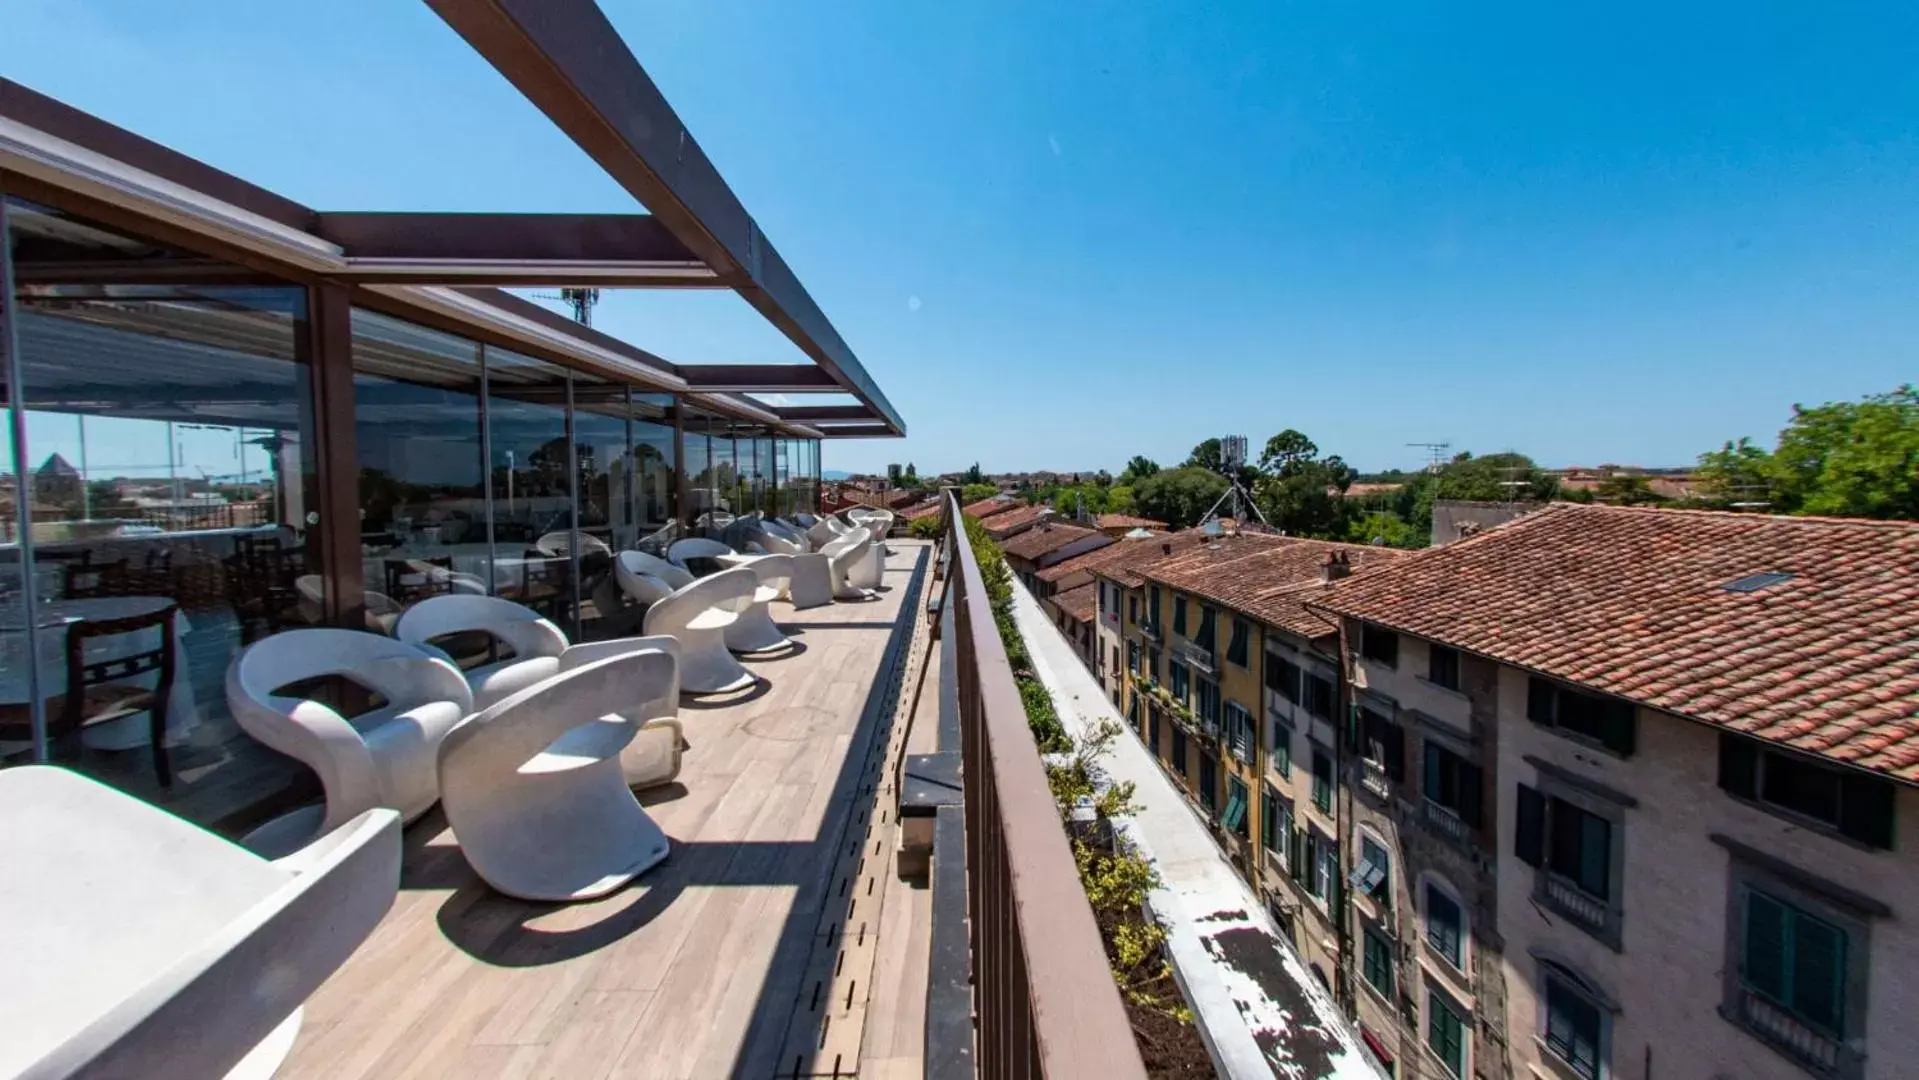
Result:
x=1232 y=457
x=580 y=300
x=1435 y=454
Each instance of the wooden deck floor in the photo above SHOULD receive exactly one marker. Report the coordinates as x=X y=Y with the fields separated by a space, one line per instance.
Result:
x=720 y=962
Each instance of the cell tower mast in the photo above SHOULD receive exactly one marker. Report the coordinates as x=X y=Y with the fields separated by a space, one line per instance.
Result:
x=1232 y=457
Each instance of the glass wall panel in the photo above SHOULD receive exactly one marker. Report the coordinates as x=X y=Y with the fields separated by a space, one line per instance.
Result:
x=169 y=478
x=416 y=423
x=700 y=494
x=766 y=499
x=654 y=485
x=724 y=481
x=602 y=450
x=530 y=473
x=783 y=470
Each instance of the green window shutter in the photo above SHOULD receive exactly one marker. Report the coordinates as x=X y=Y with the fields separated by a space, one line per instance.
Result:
x=1471 y=794
x=1763 y=963
x=1433 y=773
x=1866 y=810
x=1529 y=827
x=1539 y=701
x=1819 y=972
x=1738 y=765
x=1595 y=855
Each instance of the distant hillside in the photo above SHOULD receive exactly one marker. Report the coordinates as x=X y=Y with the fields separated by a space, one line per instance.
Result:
x=834 y=474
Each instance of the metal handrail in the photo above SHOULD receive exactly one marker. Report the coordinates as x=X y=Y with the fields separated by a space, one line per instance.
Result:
x=1043 y=992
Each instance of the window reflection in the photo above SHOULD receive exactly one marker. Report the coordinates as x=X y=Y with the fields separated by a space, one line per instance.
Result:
x=531 y=476
x=169 y=479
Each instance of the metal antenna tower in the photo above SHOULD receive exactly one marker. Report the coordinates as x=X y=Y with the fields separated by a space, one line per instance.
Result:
x=581 y=300
x=1435 y=454
x=1232 y=457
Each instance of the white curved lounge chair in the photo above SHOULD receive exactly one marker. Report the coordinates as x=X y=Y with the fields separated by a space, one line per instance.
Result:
x=805 y=520
x=847 y=557
x=794 y=539
x=812 y=582
x=825 y=531
x=648 y=578
x=695 y=547
x=699 y=615
x=206 y=973
x=754 y=631
x=384 y=757
x=534 y=790
x=559 y=544
x=541 y=651
x=382 y=611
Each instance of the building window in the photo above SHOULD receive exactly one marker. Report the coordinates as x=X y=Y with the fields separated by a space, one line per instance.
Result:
x=1152 y=728
x=1383 y=744
x=1237 y=650
x=1208 y=635
x=1575 y=1023
x=1239 y=731
x=1323 y=781
x=1577 y=850
x=1453 y=784
x=1374 y=875
x=1132 y=657
x=1152 y=664
x=1378 y=962
x=1282 y=751
x=1179 y=615
x=1592 y=718
x=1795 y=960
x=1852 y=804
x=1206 y=707
x=1115 y=659
x=1233 y=818
x=1325 y=870
x=1152 y=607
x=1445 y=1032
x=1276 y=823
x=1319 y=697
x=1798 y=979
x=1442 y=666
x=1208 y=781
x=1132 y=609
x=1282 y=677
x=1379 y=645
x=1132 y=708
x=1445 y=926
x=1179 y=680
x=1179 y=751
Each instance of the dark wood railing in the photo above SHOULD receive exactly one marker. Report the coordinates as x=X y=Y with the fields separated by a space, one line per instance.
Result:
x=1043 y=995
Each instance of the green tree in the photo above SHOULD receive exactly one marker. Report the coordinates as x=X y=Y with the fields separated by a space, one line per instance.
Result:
x=1384 y=527
x=1738 y=472
x=974 y=492
x=1137 y=469
x=1621 y=489
x=1178 y=496
x=1852 y=458
x=1119 y=500
x=1207 y=455
x=973 y=475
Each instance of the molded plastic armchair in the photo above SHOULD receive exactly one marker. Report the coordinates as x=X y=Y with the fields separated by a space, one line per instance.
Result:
x=138 y=944
x=648 y=578
x=812 y=581
x=755 y=631
x=825 y=531
x=805 y=520
x=384 y=757
x=786 y=540
x=559 y=544
x=382 y=611
x=699 y=615
x=541 y=651
x=847 y=557
x=694 y=547
x=534 y=789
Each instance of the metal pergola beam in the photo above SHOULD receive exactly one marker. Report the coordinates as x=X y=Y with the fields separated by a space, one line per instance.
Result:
x=809 y=414
x=512 y=249
x=565 y=57
x=857 y=431
x=758 y=379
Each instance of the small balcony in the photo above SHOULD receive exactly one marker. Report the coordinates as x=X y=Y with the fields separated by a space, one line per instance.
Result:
x=1448 y=825
x=1818 y=1051
x=1151 y=632
x=1373 y=781
x=1579 y=907
x=1199 y=657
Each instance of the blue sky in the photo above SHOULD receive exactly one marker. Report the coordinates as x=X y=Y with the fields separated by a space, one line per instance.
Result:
x=1061 y=233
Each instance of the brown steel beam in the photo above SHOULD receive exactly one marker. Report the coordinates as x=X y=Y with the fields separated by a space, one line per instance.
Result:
x=758 y=378
x=328 y=348
x=567 y=59
x=857 y=431
x=808 y=414
x=531 y=249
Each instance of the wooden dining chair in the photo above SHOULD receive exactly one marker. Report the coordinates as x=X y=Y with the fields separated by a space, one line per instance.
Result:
x=103 y=690
x=86 y=580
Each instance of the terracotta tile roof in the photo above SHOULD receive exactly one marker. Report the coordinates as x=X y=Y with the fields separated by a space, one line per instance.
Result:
x=1044 y=538
x=1270 y=578
x=1080 y=604
x=925 y=509
x=1010 y=521
x=1121 y=560
x=1127 y=521
x=987 y=506
x=1633 y=602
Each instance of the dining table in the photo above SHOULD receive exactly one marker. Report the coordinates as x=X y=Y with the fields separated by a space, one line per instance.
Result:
x=51 y=620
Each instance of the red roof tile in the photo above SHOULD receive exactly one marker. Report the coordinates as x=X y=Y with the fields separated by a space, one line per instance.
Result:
x=1633 y=602
x=926 y=509
x=1044 y=538
x=992 y=505
x=1121 y=560
x=1270 y=578
x=1008 y=522
x=1079 y=604
x=1127 y=521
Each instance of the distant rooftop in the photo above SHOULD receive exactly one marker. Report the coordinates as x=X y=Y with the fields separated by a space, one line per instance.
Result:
x=1270 y=578
x=1045 y=538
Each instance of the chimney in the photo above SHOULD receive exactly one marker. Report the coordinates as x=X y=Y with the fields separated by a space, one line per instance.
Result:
x=1334 y=568
x=1166 y=548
